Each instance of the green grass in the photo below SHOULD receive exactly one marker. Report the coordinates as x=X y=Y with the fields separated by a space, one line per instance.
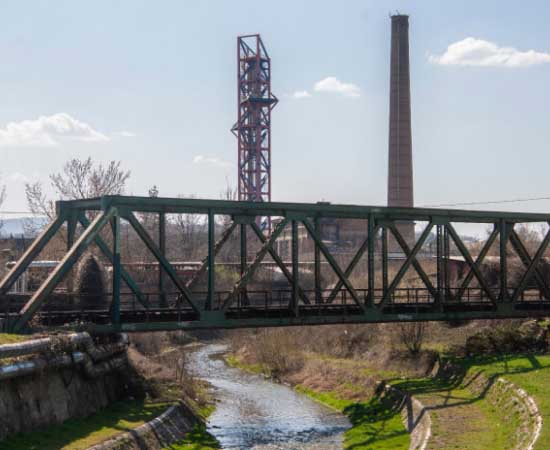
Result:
x=258 y=369
x=196 y=439
x=529 y=372
x=6 y=338
x=79 y=434
x=462 y=419
x=375 y=425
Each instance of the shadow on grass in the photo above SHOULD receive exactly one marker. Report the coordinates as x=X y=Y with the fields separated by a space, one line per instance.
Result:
x=375 y=421
x=117 y=418
x=466 y=372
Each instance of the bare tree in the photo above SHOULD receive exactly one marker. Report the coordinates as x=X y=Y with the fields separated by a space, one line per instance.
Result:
x=2 y=199
x=191 y=232
x=229 y=193
x=412 y=336
x=78 y=179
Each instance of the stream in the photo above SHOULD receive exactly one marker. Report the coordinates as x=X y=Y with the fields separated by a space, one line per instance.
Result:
x=255 y=413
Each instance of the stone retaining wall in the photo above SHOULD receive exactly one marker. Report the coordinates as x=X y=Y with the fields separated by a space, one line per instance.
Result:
x=49 y=386
x=416 y=419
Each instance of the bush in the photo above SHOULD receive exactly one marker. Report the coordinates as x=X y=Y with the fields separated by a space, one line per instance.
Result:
x=509 y=338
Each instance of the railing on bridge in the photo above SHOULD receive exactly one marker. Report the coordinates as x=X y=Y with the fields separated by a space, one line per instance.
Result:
x=370 y=284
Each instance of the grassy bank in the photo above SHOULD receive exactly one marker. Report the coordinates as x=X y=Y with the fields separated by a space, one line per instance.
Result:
x=197 y=439
x=6 y=338
x=466 y=413
x=79 y=434
x=376 y=424
x=529 y=372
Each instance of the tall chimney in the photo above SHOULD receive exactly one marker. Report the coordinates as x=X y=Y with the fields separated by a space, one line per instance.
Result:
x=400 y=171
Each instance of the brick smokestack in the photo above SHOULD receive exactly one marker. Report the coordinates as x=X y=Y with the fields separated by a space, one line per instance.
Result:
x=400 y=170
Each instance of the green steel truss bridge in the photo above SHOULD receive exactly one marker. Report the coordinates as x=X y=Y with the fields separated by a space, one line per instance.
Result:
x=382 y=292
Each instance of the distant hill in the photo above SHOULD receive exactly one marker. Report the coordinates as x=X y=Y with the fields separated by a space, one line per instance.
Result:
x=20 y=226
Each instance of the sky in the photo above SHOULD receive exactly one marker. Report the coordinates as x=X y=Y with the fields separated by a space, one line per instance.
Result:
x=153 y=84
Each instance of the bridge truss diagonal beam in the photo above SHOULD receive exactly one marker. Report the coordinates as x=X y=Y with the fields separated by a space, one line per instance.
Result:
x=32 y=252
x=275 y=256
x=226 y=234
x=531 y=268
x=78 y=248
x=478 y=262
x=466 y=254
x=411 y=260
x=164 y=263
x=251 y=269
x=353 y=263
x=333 y=264
x=104 y=248
x=523 y=254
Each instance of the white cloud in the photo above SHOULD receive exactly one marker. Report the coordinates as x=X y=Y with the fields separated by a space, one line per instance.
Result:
x=125 y=133
x=301 y=94
x=48 y=131
x=334 y=85
x=211 y=160
x=18 y=177
x=478 y=52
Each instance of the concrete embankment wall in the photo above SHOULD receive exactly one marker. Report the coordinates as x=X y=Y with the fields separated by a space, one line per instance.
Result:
x=415 y=416
x=169 y=427
x=47 y=381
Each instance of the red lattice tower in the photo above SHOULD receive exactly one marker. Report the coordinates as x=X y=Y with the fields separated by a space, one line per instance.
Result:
x=253 y=127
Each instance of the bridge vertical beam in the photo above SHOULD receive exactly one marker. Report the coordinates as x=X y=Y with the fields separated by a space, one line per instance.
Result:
x=317 y=263
x=439 y=262
x=447 y=255
x=384 y=262
x=371 y=268
x=503 y=231
x=115 y=306
x=162 y=247
x=72 y=222
x=295 y=267
x=244 y=258
x=71 y=228
x=211 y=263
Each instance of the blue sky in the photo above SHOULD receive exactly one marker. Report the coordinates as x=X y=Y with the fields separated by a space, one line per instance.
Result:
x=153 y=84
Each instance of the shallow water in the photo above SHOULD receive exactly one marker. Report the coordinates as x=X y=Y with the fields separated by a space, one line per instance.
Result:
x=254 y=413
